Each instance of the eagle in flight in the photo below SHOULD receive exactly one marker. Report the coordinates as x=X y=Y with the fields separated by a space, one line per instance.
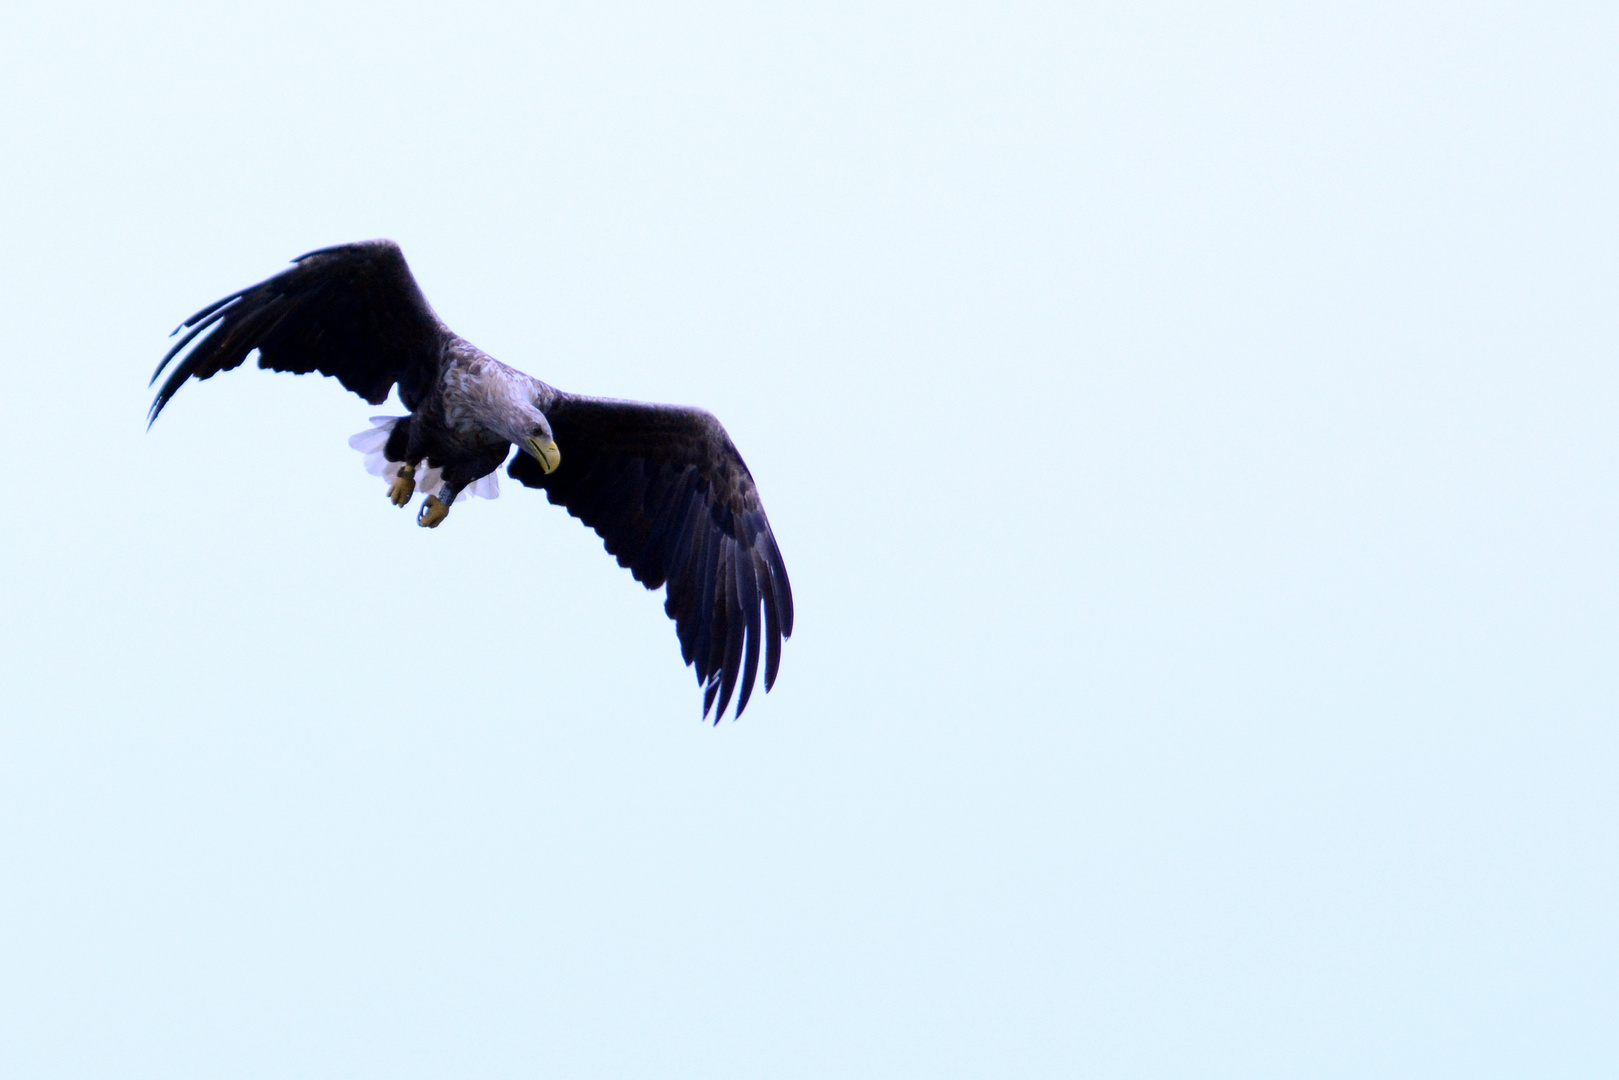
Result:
x=662 y=485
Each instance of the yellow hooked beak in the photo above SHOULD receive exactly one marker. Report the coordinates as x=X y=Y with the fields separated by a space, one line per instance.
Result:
x=547 y=453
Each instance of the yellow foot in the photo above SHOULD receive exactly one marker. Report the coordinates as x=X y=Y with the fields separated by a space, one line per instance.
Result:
x=433 y=512
x=403 y=487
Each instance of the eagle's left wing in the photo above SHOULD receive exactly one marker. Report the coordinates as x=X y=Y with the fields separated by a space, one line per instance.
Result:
x=670 y=495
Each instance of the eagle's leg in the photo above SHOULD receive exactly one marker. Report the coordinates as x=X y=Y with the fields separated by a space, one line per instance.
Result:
x=458 y=472
x=435 y=508
x=404 y=485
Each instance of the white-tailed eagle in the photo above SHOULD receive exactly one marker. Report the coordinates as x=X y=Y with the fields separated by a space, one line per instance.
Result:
x=662 y=485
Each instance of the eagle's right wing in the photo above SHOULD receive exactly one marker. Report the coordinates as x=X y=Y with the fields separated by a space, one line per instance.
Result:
x=352 y=312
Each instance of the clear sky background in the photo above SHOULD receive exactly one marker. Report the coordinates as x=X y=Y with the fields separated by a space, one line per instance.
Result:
x=1191 y=430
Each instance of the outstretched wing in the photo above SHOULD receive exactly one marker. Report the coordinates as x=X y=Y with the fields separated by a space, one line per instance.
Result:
x=352 y=312
x=666 y=490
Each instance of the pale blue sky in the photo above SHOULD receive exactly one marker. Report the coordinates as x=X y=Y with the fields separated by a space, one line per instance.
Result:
x=1191 y=430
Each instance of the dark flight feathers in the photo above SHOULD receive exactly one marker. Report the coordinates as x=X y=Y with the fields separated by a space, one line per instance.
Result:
x=353 y=312
x=668 y=493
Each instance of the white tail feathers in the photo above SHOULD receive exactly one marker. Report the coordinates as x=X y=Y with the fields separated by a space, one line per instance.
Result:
x=372 y=442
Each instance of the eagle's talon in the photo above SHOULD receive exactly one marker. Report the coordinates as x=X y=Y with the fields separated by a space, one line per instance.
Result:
x=403 y=487
x=433 y=511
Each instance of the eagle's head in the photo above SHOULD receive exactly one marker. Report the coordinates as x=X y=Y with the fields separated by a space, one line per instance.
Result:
x=534 y=438
x=543 y=447
x=521 y=421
